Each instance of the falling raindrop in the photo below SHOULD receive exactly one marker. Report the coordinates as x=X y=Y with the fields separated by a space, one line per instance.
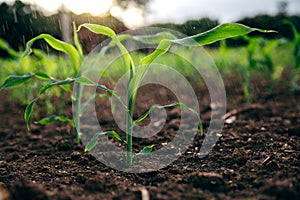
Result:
x=3 y=29
x=15 y=15
x=34 y=13
x=24 y=40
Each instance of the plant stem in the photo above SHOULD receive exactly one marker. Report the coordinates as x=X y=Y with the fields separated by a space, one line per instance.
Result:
x=131 y=95
x=78 y=88
x=128 y=139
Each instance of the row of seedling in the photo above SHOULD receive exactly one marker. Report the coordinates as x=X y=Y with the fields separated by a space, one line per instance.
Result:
x=263 y=56
x=78 y=79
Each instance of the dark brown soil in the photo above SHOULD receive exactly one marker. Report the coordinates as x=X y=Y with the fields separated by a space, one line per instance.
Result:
x=257 y=156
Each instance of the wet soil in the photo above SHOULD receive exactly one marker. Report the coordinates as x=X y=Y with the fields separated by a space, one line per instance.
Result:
x=257 y=156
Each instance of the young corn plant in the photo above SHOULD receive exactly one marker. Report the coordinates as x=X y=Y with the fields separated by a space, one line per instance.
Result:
x=296 y=55
x=271 y=69
x=251 y=49
x=133 y=78
x=76 y=55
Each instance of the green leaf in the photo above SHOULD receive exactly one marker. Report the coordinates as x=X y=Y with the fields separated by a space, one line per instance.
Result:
x=218 y=33
x=145 y=150
x=76 y=41
x=14 y=80
x=98 y=29
x=53 y=118
x=148 y=39
x=87 y=102
x=93 y=142
x=293 y=27
x=6 y=47
x=85 y=81
x=43 y=76
x=48 y=120
x=29 y=107
x=57 y=83
x=67 y=88
x=28 y=111
x=57 y=45
x=182 y=105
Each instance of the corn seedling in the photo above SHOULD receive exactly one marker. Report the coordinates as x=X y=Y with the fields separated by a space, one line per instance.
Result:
x=296 y=55
x=134 y=77
x=272 y=70
x=75 y=54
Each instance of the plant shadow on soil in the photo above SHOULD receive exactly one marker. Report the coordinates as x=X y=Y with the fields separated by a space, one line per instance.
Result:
x=257 y=156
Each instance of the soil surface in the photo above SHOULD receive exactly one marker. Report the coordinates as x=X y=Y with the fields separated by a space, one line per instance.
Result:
x=257 y=156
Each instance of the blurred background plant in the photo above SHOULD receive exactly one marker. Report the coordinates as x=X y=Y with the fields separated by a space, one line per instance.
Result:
x=271 y=57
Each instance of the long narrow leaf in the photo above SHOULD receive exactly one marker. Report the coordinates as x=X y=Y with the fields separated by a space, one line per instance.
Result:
x=29 y=107
x=218 y=33
x=6 y=47
x=87 y=102
x=146 y=39
x=145 y=150
x=43 y=76
x=182 y=105
x=28 y=111
x=57 y=45
x=85 y=81
x=14 y=80
x=57 y=83
x=53 y=118
x=93 y=142
x=98 y=29
x=76 y=41
x=293 y=27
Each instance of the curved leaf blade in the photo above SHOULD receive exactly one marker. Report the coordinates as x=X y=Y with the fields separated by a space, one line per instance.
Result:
x=85 y=81
x=76 y=41
x=182 y=105
x=57 y=45
x=57 y=83
x=51 y=119
x=43 y=76
x=6 y=47
x=93 y=142
x=221 y=32
x=14 y=80
x=145 y=150
x=218 y=33
x=29 y=107
x=28 y=112
x=98 y=29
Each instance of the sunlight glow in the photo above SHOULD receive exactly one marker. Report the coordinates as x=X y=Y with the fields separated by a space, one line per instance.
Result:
x=95 y=7
x=132 y=17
